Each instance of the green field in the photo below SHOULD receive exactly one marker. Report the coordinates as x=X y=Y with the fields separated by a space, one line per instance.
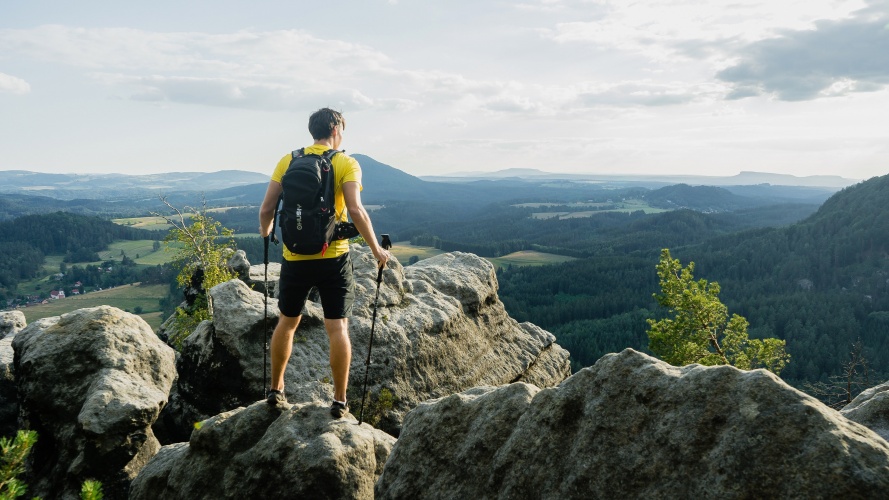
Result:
x=150 y=223
x=403 y=251
x=126 y=297
x=621 y=206
x=142 y=248
x=529 y=258
x=51 y=263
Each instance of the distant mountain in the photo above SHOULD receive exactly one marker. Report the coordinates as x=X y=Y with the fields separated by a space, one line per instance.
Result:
x=102 y=186
x=14 y=205
x=124 y=195
x=654 y=181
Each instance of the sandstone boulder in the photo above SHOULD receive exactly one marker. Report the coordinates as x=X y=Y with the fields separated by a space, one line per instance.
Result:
x=632 y=426
x=91 y=383
x=871 y=409
x=11 y=322
x=239 y=264
x=9 y=401
x=261 y=451
x=440 y=329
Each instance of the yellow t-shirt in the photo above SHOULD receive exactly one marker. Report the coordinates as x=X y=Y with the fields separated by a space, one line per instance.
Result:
x=345 y=169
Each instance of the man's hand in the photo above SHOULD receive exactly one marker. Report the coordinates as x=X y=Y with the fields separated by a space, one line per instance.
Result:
x=382 y=255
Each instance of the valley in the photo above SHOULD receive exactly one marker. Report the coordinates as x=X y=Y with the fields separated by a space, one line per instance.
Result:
x=575 y=258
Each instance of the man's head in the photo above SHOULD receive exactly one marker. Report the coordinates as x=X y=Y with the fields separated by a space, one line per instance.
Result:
x=323 y=122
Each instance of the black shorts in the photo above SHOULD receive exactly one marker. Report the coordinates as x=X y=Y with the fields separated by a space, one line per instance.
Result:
x=332 y=278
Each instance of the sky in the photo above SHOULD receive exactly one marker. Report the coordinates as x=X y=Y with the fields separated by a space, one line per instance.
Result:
x=679 y=87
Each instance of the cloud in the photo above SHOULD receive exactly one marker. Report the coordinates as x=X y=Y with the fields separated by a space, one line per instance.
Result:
x=265 y=70
x=645 y=93
x=664 y=30
x=292 y=70
x=836 y=58
x=13 y=85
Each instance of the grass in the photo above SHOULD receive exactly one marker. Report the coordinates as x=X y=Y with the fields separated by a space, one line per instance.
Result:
x=51 y=263
x=529 y=258
x=403 y=251
x=150 y=222
x=625 y=206
x=126 y=297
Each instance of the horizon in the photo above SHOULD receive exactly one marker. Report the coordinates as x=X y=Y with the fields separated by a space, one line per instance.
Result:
x=466 y=174
x=591 y=87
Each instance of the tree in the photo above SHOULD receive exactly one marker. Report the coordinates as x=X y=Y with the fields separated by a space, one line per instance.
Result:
x=699 y=329
x=12 y=463
x=202 y=246
x=842 y=389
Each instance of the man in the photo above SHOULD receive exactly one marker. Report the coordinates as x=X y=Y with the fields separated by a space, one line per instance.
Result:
x=329 y=271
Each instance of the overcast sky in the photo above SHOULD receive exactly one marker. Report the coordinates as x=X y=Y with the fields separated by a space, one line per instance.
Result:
x=668 y=87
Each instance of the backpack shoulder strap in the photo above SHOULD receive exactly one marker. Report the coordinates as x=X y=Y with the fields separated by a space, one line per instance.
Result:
x=327 y=181
x=297 y=153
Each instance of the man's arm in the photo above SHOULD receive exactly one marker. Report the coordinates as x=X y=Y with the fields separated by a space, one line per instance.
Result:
x=352 y=195
x=267 y=209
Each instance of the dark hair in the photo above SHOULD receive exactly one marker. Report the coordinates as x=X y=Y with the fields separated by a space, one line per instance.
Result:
x=323 y=121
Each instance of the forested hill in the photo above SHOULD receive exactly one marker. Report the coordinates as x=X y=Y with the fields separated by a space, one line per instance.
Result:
x=61 y=232
x=820 y=284
x=26 y=240
x=702 y=198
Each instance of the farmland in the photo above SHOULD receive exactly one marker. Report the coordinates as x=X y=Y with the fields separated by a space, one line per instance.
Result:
x=126 y=297
x=403 y=251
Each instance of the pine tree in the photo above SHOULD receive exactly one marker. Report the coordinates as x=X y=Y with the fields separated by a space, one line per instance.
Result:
x=699 y=330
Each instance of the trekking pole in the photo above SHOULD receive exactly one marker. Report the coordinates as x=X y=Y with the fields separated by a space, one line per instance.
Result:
x=386 y=245
x=265 y=321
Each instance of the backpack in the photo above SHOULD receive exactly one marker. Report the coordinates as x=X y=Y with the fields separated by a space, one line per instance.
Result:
x=307 y=217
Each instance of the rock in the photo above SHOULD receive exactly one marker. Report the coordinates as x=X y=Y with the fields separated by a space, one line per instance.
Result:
x=632 y=426
x=91 y=384
x=256 y=278
x=11 y=322
x=240 y=265
x=9 y=401
x=440 y=329
x=871 y=409
x=267 y=452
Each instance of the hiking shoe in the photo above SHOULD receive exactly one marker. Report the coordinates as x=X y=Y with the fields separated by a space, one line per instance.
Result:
x=276 y=398
x=338 y=409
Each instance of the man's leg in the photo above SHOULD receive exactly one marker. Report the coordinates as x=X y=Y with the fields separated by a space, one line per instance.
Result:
x=340 y=355
x=282 y=345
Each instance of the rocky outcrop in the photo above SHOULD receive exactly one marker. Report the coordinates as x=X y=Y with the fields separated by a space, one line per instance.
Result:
x=91 y=383
x=632 y=426
x=239 y=264
x=268 y=452
x=440 y=329
x=9 y=401
x=257 y=276
x=11 y=322
x=871 y=409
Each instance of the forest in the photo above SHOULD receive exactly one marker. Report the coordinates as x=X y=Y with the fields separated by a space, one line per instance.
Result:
x=26 y=240
x=821 y=284
x=816 y=276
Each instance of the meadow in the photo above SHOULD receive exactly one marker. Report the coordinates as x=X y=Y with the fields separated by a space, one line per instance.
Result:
x=146 y=298
x=403 y=251
x=126 y=297
x=584 y=209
